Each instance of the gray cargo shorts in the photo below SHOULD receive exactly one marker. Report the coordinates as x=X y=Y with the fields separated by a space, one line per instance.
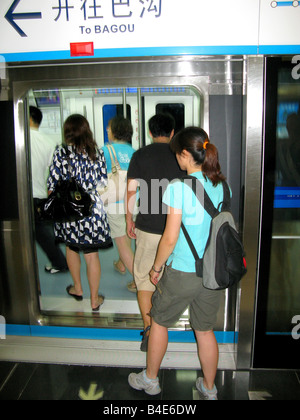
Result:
x=178 y=291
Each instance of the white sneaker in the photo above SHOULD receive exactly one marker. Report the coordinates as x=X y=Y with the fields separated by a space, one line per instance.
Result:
x=206 y=394
x=51 y=270
x=141 y=382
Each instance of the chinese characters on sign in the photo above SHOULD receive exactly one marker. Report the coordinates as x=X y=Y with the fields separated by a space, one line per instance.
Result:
x=92 y=9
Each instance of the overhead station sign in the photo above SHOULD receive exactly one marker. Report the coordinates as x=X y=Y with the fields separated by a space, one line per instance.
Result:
x=62 y=29
x=279 y=27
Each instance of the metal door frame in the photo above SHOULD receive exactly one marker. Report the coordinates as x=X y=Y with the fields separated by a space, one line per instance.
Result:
x=254 y=158
x=20 y=90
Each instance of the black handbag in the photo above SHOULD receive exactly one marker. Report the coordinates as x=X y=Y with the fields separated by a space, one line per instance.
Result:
x=69 y=202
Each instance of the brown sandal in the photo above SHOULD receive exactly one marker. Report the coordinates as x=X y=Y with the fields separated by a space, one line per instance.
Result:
x=100 y=301
x=116 y=267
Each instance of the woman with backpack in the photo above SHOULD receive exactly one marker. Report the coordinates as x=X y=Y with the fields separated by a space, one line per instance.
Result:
x=179 y=287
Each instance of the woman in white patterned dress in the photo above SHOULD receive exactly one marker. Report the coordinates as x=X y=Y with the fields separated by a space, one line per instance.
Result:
x=88 y=167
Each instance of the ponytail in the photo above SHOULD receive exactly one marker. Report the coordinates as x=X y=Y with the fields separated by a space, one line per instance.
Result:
x=195 y=140
x=211 y=167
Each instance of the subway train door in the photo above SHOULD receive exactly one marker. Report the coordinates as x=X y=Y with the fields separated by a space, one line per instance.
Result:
x=99 y=105
x=277 y=343
x=208 y=92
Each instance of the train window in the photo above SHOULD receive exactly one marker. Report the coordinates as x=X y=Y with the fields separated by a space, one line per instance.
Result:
x=111 y=111
x=98 y=105
x=176 y=110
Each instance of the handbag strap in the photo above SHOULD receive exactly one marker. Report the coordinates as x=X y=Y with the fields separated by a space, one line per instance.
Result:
x=115 y=165
x=69 y=170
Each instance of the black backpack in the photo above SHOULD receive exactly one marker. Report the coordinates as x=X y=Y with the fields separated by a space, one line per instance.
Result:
x=223 y=263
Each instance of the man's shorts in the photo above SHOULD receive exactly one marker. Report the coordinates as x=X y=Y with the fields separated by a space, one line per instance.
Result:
x=177 y=291
x=146 y=249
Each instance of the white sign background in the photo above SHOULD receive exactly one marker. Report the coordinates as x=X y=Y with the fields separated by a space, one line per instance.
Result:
x=219 y=26
x=279 y=25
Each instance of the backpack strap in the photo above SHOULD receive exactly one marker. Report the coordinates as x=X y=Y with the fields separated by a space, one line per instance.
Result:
x=201 y=194
x=203 y=197
x=226 y=205
x=189 y=241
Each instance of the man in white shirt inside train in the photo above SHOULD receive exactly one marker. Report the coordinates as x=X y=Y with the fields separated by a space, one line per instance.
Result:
x=42 y=149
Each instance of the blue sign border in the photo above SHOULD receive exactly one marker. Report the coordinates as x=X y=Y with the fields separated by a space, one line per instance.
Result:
x=133 y=52
x=156 y=51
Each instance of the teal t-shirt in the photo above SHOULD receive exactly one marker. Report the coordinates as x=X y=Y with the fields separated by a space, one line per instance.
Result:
x=124 y=153
x=196 y=220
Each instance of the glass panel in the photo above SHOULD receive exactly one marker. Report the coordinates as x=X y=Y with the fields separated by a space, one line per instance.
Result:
x=98 y=105
x=279 y=286
x=284 y=287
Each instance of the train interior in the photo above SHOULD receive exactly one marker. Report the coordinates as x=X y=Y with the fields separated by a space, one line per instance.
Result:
x=99 y=106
